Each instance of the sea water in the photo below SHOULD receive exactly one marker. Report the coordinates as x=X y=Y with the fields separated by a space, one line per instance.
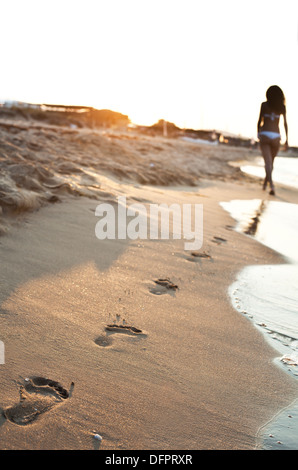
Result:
x=268 y=296
x=285 y=170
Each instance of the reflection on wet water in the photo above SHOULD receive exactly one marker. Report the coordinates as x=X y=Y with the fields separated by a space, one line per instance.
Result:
x=285 y=170
x=268 y=295
x=276 y=227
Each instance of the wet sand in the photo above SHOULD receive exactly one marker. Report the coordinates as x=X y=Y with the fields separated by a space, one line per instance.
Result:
x=189 y=372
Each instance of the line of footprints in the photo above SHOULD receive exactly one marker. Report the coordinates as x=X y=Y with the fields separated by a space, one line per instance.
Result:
x=38 y=395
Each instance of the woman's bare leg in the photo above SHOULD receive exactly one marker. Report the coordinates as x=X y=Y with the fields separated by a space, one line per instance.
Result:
x=269 y=149
x=274 y=151
x=266 y=152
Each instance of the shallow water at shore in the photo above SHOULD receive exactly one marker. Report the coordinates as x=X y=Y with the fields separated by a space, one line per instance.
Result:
x=285 y=170
x=268 y=295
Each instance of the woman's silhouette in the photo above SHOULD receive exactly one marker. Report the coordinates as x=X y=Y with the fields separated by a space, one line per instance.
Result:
x=268 y=130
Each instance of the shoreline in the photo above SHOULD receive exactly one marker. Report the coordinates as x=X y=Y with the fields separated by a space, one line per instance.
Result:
x=192 y=391
x=271 y=308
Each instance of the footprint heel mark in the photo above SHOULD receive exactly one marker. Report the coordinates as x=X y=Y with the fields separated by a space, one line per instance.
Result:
x=37 y=396
x=103 y=341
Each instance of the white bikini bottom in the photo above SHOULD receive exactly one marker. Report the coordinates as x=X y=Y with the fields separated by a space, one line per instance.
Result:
x=271 y=135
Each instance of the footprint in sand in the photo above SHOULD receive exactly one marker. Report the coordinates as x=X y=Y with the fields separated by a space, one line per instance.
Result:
x=219 y=240
x=163 y=286
x=197 y=256
x=125 y=329
x=105 y=340
x=37 y=395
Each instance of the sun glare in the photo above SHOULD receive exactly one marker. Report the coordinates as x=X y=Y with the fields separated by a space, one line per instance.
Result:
x=198 y=64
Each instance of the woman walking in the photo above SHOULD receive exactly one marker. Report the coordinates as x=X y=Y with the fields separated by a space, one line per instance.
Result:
x=268 y=130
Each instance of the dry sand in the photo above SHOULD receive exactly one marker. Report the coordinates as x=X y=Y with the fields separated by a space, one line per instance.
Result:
x=198 y=376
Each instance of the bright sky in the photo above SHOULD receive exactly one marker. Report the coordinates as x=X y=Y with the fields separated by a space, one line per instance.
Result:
x=197 y=63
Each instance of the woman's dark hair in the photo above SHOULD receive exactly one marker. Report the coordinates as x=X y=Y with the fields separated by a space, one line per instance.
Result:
x=276 y=99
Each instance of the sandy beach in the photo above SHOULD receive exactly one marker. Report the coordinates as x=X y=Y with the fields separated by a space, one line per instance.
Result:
x=183 y=370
